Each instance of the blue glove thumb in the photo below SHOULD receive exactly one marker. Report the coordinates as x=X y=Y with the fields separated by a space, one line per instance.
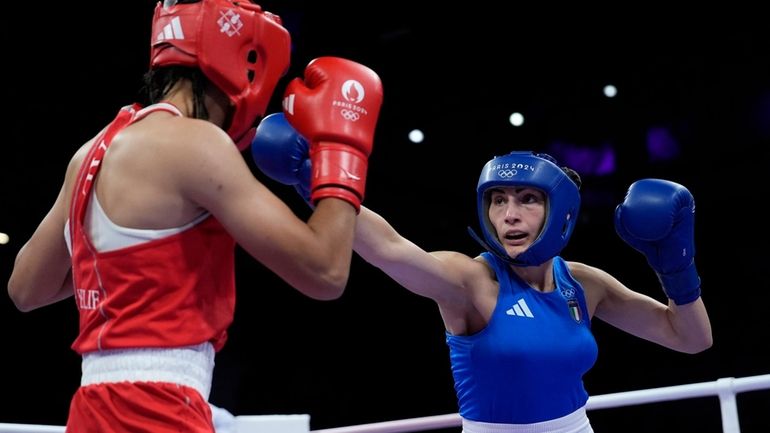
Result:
x=281 y=153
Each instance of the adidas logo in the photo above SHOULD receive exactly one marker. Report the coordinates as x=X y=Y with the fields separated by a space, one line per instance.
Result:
x=520 y=309
x=172 y=30
x=288 y=103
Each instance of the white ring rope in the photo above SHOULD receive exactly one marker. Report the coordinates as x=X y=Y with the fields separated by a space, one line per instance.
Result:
x=724 y=388
x=401 y=425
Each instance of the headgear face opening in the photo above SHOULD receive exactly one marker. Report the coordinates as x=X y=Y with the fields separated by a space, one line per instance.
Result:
x=240 y=48
x=562 y=200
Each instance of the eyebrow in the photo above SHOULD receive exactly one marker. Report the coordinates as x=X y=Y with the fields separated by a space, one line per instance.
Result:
x=516 y=189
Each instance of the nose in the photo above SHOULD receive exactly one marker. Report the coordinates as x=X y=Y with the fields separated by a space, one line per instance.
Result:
x=511 y=211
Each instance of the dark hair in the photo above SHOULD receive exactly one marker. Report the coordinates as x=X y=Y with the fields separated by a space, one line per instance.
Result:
x=572 y=174
x=158 y=82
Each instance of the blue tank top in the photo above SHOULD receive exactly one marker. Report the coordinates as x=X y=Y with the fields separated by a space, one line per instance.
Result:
x=527 y=365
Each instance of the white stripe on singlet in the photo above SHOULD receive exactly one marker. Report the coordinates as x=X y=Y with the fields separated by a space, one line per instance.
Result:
x=191 y=366
x=575 y=422
x=107 y=236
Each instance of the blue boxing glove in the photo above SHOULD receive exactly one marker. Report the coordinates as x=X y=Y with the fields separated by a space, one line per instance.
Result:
x=282 y=153
x=657 y=219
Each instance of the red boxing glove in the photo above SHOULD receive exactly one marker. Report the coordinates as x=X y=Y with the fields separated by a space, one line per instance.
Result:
x=336 y=108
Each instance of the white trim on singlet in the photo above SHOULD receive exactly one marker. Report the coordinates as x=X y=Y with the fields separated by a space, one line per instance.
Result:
x=105 y=235
x=575 y=422
x=155 y=107
x=191 y=366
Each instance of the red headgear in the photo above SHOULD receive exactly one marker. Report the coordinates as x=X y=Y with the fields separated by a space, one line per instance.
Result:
x=240 y=48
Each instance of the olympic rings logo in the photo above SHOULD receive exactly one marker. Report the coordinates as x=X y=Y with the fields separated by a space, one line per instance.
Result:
x=349 y=115
x=506 y=174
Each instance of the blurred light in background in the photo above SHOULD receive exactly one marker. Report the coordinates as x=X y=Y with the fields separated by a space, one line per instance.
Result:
x=610 y=91
x=516 y=119
x=416 y=136
x=661 y=144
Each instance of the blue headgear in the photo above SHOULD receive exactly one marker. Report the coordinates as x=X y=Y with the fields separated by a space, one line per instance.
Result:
x=537 y=170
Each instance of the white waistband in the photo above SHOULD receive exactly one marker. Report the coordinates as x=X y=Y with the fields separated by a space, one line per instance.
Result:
x=191 y=366
x=576 y=422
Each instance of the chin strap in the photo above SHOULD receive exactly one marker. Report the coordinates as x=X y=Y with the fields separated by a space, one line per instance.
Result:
x=504 y=257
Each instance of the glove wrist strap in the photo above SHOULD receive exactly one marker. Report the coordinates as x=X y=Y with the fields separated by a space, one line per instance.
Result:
x=340 y=193
x=682 y=287
x=339 y=171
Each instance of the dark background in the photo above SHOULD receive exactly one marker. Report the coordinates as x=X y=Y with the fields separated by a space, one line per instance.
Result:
x=456 y=72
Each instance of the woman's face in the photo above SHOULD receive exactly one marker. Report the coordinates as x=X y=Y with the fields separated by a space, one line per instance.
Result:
x=518 y=215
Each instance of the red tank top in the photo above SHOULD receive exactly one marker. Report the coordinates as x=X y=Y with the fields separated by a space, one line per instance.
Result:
x=168 y=292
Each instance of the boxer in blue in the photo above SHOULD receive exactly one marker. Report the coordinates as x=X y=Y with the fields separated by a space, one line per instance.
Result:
x=518 y=316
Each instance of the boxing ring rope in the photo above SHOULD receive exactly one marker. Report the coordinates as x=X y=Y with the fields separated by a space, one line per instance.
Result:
x=725 y=388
